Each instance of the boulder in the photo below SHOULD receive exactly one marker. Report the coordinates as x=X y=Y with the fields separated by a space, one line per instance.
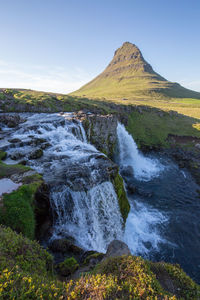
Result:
x=126 y=171
x=131 y=188
x=36 y=154
x=117 y=248
x=66 y=246
x=15 y=140
x=11 y=120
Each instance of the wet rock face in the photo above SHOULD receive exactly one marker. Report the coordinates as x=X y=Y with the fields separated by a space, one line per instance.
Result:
x=78 y=177
x=101 y=131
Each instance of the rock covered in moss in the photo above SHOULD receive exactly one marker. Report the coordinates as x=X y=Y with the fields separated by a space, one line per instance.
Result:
x=92 y=258
x=3 y=155
x=68 y=266
x=35 y=154
x=66 y=246
x=20 y=209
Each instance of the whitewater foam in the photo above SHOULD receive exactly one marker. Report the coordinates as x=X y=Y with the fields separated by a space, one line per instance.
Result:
x=92 y=217
x=142 y=232
x=143 y=167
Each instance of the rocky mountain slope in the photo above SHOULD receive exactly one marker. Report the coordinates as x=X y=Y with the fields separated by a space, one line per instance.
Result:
x=129 y=76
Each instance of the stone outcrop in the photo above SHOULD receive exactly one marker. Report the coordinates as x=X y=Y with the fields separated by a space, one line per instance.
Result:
x=101 y=131
x=117 y=248
x=10 y=120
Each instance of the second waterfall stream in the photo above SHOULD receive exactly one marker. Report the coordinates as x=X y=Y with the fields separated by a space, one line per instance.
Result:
x=141 y=231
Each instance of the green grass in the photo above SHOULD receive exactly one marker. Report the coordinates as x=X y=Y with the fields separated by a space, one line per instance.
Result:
x=18 y=210
x=150 y=128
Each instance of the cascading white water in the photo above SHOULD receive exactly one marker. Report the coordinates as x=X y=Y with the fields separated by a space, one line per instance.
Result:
x=95 y=218
x=142 y=229
x=84 y=202
x=142 y=226
x=144 y=168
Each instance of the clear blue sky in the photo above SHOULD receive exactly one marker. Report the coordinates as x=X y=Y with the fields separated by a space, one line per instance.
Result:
x=58 y=45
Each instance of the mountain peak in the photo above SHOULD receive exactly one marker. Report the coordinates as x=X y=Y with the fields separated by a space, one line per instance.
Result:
x=129 y=76
x=128 y=47
x=128 y=58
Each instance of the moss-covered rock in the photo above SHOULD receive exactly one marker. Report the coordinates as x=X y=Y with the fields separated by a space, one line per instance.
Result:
x=3 y=155
x=36 y=154
x=68 y=266
x=9 y=170
x=122 y=198
x=18 y=209
x=93 y=257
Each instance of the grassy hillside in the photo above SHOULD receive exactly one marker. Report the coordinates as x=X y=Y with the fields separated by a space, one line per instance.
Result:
x=129 y=76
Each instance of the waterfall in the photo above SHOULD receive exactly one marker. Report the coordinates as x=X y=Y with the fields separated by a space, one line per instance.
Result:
x=92 y=217
x=142 y=232
x=83 y=200
x=143 y=167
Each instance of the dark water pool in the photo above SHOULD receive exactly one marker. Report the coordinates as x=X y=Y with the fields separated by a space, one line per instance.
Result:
x=165 y=215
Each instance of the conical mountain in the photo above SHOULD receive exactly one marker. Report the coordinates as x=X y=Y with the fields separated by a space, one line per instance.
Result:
x=129 y=76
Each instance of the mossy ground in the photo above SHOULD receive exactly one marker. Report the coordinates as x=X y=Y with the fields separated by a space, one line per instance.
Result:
x=18 y=207
x=26 y=273
x=2 y=155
